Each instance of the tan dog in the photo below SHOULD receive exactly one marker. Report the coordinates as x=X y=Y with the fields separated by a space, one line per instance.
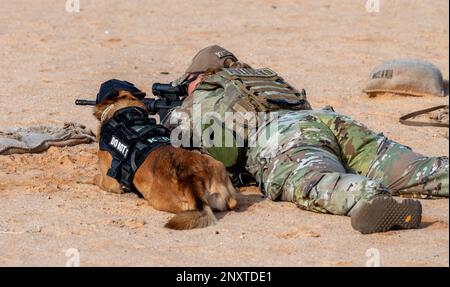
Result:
x=171 y=179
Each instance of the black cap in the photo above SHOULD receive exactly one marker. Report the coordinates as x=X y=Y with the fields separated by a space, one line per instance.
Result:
x=110 y=89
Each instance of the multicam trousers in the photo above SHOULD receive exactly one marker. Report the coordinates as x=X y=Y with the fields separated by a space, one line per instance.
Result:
x=327 y=162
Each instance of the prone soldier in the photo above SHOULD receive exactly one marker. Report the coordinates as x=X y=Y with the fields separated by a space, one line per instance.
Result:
x=320 y=160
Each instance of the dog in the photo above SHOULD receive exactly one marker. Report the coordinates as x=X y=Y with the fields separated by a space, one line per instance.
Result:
x=187 y=183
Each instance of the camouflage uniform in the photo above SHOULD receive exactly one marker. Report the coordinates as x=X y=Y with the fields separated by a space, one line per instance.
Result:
x=327 y=162
x=323 y=161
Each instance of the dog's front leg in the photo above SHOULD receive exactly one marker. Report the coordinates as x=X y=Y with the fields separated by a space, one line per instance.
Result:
x=102 y=180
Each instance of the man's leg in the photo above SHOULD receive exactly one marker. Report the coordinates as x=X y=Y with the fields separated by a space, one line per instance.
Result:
x=410 y=174
x=400 y=169
x=307 y=170
x=301 y=165
x=315 y=180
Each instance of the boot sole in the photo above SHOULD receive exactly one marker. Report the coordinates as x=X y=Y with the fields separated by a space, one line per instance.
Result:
x=385 y=213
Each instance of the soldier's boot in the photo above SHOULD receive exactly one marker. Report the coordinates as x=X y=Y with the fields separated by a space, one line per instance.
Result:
x=384 y=213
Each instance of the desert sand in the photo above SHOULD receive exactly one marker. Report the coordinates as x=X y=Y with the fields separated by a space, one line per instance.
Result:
x=50 y=57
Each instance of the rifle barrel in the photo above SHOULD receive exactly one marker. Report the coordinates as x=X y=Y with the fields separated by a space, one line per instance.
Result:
x=79 y=102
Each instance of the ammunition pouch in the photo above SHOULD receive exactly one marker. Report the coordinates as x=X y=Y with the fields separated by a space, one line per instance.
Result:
x=265 y=90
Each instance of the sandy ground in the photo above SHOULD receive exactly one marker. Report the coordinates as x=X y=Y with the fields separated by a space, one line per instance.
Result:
x=49 y=57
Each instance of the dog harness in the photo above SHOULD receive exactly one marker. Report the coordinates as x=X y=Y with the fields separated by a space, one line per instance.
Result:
x=130 y=136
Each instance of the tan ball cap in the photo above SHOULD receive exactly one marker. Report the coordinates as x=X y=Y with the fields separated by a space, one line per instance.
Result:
x=212 y=57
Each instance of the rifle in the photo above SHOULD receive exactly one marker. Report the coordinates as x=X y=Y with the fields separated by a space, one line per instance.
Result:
x=168 y=96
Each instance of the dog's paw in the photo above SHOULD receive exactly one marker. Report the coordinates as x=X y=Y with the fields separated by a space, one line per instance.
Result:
x=115 y=189
x=97 y=180
x=231 y=203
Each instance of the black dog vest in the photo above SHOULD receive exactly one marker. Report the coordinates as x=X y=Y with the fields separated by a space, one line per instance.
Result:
x=129 y=136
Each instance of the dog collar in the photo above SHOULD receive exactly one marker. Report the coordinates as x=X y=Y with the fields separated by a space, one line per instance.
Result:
x=105 y=112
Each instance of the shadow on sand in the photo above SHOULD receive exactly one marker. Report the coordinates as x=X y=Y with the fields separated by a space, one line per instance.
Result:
x=245 y=200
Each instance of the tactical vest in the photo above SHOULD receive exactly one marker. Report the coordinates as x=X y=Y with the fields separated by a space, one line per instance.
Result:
x=244 y=90
x=129 y=136
x=257 y=90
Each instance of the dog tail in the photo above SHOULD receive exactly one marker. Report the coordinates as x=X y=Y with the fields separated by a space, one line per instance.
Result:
x=192 y=219
x=203 y=216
